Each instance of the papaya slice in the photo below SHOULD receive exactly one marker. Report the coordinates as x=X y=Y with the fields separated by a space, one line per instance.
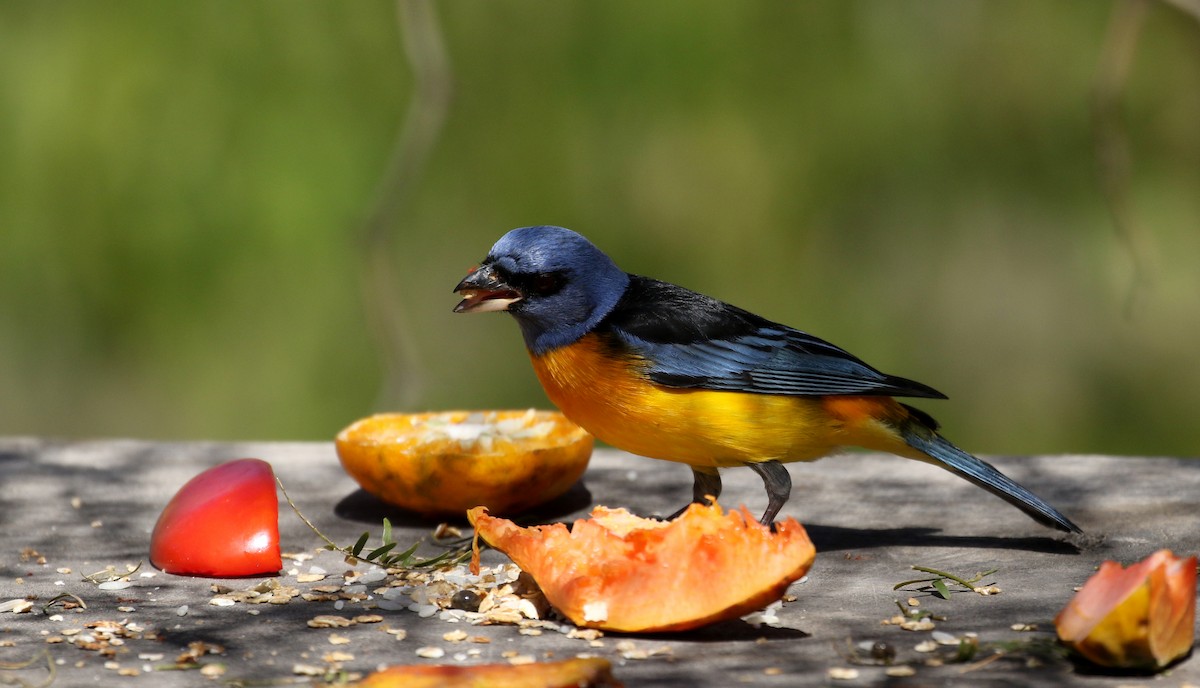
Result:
x=441 y=464
x=1140 y=617
x=571 y=673
x=618 y=572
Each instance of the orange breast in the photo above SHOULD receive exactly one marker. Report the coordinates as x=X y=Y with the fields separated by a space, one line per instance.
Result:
x=612 y=398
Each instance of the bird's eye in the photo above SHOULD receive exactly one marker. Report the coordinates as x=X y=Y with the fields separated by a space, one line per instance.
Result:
x=546 y=283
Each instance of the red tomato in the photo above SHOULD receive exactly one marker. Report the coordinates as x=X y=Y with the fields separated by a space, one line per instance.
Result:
x=223 y=523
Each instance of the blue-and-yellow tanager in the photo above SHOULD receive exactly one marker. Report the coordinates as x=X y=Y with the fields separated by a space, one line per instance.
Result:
x=664 y=372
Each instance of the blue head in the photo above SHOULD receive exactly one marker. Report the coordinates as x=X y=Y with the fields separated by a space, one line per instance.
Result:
x=552 y=280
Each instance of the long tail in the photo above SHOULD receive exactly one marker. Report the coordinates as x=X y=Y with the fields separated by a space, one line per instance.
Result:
x=985 y=475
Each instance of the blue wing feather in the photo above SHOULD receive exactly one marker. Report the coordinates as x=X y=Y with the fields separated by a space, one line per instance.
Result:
x=693 y=341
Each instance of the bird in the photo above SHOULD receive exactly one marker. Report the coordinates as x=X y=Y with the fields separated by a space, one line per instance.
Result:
x=664 y=372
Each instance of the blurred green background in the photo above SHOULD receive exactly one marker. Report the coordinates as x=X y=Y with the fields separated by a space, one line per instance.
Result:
x=184 y=187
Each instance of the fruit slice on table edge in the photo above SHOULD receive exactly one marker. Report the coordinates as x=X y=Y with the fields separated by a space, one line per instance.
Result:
x=443 y=463
x=223 y=523
x=571 y=673
x=618 y=572
x=1140 y=617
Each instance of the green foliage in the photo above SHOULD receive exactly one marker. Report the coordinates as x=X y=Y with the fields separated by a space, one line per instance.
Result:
x=182 y=188
x=455 y=550
x=936 y=584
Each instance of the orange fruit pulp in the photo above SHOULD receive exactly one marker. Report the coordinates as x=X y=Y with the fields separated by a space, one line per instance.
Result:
x=441 y=464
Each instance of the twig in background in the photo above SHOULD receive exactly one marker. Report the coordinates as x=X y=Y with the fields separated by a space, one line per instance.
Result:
x=1112 y=140
x=418 y=134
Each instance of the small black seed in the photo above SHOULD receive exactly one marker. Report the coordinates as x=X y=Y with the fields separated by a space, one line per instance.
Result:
x=466 y=600
x=883 y=652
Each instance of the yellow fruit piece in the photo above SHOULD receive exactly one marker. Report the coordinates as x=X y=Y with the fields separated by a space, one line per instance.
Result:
x=441 y=464
x=571 y=673
x=1141 y=617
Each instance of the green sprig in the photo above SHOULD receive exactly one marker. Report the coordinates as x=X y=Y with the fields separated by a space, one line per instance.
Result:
x=383 y=555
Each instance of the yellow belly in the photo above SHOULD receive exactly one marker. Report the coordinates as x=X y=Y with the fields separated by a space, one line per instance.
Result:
x=698 y=427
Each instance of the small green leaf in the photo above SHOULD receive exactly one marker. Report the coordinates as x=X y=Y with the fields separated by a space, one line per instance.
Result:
x=380 y=551
x=911 y=582
x=966 y=650
x=387 y=532
x=942 y=591
x=407 y=554
x=358 y=546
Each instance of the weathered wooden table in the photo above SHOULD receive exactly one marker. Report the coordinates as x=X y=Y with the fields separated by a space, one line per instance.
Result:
x=82 y=506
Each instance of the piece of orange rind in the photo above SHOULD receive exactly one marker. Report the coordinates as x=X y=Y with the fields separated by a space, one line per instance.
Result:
x=617 y=572
x=441 y=464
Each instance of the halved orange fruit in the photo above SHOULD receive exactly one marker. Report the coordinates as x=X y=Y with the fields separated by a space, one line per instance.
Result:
x=589 y=672
x=618 y=572
x=441 y=464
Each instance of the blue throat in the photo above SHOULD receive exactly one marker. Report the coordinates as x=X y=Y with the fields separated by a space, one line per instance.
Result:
x=543 y=334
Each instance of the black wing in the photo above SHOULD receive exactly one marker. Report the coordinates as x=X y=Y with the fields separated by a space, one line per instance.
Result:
x=693 y=341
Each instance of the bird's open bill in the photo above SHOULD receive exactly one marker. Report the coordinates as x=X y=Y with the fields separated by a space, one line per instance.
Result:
x=483 y=292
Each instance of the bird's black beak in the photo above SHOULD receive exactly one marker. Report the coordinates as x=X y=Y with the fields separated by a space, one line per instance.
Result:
x=483 y=291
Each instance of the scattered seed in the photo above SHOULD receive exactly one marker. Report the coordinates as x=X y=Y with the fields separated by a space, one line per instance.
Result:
x=585 y=633
x=329 y=621
x=467 y=600
x=901 y=671
x=943 y=638
x=882 y=652
x=926 y=646
x=431 y=652
x=843 y=673
x=335 y=639
x=922 y=625
x=455 y=636
x=445 y=531
x=17 y=606
x=1024 y=627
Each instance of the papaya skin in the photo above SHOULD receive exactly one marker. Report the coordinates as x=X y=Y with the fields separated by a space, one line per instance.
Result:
x=617 y=572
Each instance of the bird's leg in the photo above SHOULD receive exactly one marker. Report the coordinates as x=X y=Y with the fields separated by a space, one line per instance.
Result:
x=779 y=487
x=706 y=483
